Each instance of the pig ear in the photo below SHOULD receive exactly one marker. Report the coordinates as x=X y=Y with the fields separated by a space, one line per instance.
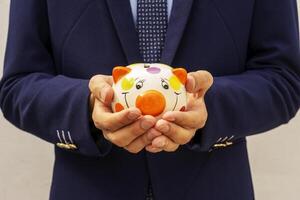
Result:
x=181 y=74
x=119 y=72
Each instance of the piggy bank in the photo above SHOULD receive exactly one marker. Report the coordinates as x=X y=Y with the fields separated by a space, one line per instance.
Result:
x=152 y=88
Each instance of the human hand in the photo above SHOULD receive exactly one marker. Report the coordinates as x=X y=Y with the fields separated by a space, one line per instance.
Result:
x=126 y=128
x=178 y=128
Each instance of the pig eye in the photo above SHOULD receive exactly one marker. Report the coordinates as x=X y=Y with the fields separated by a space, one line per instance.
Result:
x=164 y=84
x=139 y=85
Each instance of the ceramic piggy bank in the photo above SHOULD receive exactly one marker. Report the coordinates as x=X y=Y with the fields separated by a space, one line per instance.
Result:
x=153 y=88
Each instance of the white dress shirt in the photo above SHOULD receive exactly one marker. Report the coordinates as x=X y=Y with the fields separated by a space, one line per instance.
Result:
x=133 y=4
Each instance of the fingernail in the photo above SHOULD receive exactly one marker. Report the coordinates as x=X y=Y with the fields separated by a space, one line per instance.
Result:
x=160 y=144
x=163 y=127
x=168 y=116
x=191 y=84
x=103 y=93
x=133 y=114
x=146 y=124
x=152 y=149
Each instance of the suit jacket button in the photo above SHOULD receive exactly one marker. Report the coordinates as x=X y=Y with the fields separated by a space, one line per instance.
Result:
x=60 y=145
x=63 y=146
x=229 y=143
x=220 y=145
x=73 y=146
x=67 y=146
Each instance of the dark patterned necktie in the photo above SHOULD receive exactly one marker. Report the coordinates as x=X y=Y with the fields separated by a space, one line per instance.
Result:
x=152 y=22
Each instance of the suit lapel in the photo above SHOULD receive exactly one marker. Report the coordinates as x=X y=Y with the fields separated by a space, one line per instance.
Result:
x=120 y=11
x=178 y=20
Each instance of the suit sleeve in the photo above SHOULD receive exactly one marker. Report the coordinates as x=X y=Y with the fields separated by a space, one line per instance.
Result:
x=33 y=96
x=267 y=93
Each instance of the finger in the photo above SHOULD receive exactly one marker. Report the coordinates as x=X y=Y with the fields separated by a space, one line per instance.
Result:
x=164 y=143
x=153 y=133
x=199 y=81
x=92 y=102
x=193 y=119
x=104 y=119
x=100 y=87
x=124 y=136
x=152 y=149
x=142 y=141
x=177 y=134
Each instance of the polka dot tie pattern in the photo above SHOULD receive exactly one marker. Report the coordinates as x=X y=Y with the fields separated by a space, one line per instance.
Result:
x=152 y=22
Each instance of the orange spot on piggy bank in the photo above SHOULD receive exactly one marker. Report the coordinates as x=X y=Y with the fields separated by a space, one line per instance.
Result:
x=118 y=107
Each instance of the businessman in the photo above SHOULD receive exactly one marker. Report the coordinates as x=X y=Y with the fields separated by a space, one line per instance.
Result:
x=243 y=59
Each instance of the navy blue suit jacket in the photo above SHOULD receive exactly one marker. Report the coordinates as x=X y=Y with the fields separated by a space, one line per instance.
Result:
x=55 y=46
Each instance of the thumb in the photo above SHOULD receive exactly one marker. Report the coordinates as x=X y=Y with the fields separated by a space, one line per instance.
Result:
x=101 y=89
x=199 y=82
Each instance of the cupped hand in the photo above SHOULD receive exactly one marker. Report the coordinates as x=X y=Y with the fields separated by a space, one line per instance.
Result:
x=178 y=128
x=126 y=128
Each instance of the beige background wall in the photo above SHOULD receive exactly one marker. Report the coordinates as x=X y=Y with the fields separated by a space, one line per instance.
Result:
x=26 y=162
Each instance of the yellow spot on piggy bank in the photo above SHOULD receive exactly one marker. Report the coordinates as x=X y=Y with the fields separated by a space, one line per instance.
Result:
x=175 y=83
x=127 y=84
x=153 y=88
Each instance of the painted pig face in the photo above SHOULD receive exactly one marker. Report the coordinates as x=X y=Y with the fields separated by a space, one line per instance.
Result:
x=153 y=88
